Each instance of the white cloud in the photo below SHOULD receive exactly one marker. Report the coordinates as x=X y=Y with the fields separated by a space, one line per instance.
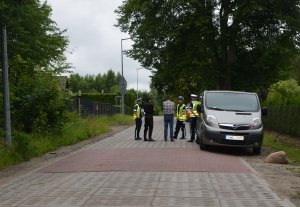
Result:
x=95 y=42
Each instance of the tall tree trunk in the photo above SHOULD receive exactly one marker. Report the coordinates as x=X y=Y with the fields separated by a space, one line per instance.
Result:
x=228 y=45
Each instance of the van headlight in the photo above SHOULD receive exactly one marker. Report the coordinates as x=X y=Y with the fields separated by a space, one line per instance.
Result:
x=256 y=123
x=211 y=120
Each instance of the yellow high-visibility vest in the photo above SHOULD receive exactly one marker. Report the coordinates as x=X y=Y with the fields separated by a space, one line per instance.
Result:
x=194 y=112
x=181 y=112
x=137 y=111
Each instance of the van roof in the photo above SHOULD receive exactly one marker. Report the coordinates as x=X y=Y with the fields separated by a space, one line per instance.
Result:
x=227 y=91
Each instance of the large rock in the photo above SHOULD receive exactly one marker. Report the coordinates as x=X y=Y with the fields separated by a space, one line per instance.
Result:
x=277 y=157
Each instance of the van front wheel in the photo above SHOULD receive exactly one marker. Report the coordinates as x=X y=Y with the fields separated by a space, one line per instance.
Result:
x=202 y=145
x=256 y=150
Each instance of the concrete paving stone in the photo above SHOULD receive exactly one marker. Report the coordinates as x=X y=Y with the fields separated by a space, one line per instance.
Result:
x=129 y=184
x=186 y=202
x=236 y=179
x=181 y=186
x=125 y=192
x=55 y=201
x=99 y=201
x=247 y=195
x=253 y=203
x=135 y=176
x=69 y=192
x=187 y=193
x=185 y=177
x=240 y=188
x=11 y=201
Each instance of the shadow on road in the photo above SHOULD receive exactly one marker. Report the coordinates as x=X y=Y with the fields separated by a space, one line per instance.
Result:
x=231 y=151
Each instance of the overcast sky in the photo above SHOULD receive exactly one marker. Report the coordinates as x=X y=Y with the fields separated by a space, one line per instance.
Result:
x=95 y=44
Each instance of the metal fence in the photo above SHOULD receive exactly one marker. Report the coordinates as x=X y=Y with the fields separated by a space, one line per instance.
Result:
x=283 y=119
x=88 y=108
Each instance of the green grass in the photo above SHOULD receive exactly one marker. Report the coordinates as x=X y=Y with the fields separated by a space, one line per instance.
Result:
x=26 y=146
x=280 y=142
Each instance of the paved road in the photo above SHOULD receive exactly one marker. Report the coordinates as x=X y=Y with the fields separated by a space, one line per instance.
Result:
x=120 y=171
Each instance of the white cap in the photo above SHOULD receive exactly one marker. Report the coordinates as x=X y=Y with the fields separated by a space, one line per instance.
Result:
x=193 y=96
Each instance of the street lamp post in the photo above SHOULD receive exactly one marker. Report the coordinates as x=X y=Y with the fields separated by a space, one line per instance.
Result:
x=6 y=101
x=122 y=92
x=137 y=82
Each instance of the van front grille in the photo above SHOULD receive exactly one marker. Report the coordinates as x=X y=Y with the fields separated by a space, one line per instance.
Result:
x=235 y=126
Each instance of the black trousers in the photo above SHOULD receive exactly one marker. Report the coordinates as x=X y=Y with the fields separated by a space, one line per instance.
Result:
x=179 y=125
x=193 y=127
x=148 y=125
x=138 y=125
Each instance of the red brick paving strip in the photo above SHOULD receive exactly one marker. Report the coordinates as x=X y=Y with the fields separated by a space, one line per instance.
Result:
x=149 y=160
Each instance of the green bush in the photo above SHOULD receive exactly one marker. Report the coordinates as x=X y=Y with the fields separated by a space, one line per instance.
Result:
x=283 y=103
x=285 y=92
x=38 y=104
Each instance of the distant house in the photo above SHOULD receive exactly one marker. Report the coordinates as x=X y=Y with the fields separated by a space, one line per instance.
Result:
x=63 y=82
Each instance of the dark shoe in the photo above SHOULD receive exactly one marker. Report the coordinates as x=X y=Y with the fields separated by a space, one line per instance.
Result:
x=172 y=140
x=190 y=140
x=146 y=140
x=138 y=138
x=151 y=140
x=182 y=138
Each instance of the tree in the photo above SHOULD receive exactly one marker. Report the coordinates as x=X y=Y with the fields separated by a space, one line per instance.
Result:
x=221 y=44
x=36 y=49
x=108 y=82
x=34 y=40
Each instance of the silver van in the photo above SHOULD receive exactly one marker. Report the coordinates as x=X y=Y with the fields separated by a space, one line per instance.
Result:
x=230 y=118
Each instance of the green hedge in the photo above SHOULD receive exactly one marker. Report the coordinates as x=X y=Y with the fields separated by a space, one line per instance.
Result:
x=283 y=119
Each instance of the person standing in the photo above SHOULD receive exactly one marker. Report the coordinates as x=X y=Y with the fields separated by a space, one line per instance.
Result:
x=193 y=116
x=137 y=116
x=148 y=110
x=181 y=117
x=168 y=110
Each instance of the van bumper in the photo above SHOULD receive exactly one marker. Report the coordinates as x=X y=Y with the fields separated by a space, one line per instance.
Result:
x=219 y=137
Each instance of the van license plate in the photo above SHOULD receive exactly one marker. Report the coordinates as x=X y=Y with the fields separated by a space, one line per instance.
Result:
x=230 y=137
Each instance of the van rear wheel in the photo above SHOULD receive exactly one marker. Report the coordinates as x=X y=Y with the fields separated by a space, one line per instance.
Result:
x=256 y=150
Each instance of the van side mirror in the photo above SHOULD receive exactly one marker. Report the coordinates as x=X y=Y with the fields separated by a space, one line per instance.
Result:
x=264 y=111
x=200 y=108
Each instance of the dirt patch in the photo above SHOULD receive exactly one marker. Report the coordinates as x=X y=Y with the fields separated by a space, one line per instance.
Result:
x=283 y=179
x=14 y=171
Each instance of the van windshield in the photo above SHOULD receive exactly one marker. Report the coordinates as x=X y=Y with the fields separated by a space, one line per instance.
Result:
x=228 y=101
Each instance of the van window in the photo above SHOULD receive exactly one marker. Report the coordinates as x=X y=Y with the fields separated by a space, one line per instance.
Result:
x=228 y=101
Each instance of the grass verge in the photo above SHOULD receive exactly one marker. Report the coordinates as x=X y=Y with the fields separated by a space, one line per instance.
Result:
x=285 y=143
x=26 y=146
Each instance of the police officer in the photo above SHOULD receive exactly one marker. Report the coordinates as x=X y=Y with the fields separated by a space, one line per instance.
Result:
x=181 y=117
x=137 y=116
x=193 y=115
x=148 y=109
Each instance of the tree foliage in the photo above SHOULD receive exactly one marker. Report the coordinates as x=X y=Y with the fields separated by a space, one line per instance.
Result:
x=214 y=44
x=284 y=93
x=36 y=49
x=108 y=82
x=39 y=105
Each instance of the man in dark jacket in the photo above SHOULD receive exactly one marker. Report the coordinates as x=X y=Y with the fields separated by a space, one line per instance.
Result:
x=148 y=110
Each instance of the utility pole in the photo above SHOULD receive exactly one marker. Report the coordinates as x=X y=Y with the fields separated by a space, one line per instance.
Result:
x=123 y=81
x=137 y=82
x=6 y=103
